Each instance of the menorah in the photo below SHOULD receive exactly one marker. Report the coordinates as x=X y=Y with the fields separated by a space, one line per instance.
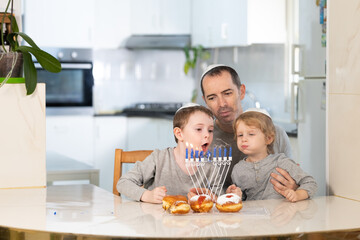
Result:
x=221 y=160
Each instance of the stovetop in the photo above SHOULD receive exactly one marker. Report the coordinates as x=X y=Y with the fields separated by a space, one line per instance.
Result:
x=154 y=107
x=149 y=109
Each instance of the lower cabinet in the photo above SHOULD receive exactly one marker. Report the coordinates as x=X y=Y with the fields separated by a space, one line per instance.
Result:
x=109 y=134
x=71 y=136
x=149 y=133
x=127 y=133
x=93 y=140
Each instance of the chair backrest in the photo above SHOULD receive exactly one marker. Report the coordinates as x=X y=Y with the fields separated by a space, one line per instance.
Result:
x=126 y=157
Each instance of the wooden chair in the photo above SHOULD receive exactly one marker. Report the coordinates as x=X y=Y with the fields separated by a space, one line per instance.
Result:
x=126 y=157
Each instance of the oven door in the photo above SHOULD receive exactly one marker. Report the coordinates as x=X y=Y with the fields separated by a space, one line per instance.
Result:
x=73 y=86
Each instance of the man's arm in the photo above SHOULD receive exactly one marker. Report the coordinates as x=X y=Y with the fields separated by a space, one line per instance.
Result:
x=283 y=180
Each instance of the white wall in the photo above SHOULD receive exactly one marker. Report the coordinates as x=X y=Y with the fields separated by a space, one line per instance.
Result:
x=343 y=116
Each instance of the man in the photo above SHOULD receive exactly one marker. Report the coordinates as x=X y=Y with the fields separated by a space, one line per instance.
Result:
x=222 y=92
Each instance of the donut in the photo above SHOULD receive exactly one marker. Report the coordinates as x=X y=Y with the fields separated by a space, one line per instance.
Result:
x=179 y=207
x=229 y=202
x=170 y=199
x=201 y=203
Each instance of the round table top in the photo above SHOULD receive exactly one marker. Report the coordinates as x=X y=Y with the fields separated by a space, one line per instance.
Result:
x=91 y=211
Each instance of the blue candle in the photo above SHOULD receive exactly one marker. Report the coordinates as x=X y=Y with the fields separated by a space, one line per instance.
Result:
x=214 y=155
x=196 y=153
x=192 y=153
x=224 y=152
x=187 y=153
x=220 y=152
x=208 y=154
x=230 y=152
x=201 y=154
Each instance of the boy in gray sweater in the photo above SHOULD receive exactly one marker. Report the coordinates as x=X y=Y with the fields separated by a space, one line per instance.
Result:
x=255 y=133
x=164 y=172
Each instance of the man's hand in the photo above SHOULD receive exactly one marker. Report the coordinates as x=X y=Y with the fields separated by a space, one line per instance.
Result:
x=234 y=189
x=154 y=196
x=283 y=181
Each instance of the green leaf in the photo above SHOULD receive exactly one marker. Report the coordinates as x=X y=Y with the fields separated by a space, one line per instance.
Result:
x=186 y=67
x=12 y=37
x=47 y=61
x=26 y=39
x=187 y=53
x=29 y=73
x=205 y=55
x=15 y=27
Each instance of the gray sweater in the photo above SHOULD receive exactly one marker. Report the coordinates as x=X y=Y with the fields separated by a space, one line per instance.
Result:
x=254 y=177
x=221 y=138
x=160 y=169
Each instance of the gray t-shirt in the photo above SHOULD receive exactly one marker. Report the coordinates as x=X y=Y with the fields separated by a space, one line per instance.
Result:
x=160 y=169
x=221 y=138
x=254 y=177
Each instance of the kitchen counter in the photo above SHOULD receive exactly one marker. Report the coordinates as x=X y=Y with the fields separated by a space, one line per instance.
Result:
x=149 y=114
x=63 y=168
x=59 y=212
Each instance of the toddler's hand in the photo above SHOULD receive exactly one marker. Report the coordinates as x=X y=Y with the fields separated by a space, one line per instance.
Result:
x=290 y=195
x=234 y=189
x=154 y=196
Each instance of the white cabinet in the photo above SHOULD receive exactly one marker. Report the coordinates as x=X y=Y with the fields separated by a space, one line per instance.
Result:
x=160 y=16
x=238 y=22
x=60 y=23
x=266 y=21
x=149 y=133
x=93 y=140
x=71 y=136
x=128 y=133
x=219 y=23
x=111 y=23
x=110 y=133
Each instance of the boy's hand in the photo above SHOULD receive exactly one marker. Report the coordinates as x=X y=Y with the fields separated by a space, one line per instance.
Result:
x=154 y=196
x=234 y=189
x=290 y=195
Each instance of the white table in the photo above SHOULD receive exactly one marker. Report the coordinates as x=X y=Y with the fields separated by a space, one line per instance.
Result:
x=89 y=211
x=62 y=168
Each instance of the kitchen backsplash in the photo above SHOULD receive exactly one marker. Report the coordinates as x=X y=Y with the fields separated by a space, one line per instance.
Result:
x=124 y=77
x=261 y=68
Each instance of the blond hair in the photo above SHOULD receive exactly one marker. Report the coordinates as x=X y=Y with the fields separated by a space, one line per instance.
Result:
x=260 y=121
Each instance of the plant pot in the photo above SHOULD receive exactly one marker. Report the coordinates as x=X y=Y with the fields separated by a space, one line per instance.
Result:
x=22 y=136
x=7 y=63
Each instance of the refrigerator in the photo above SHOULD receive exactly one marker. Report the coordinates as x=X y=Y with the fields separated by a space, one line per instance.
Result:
x=311 y=119
x=308 y=91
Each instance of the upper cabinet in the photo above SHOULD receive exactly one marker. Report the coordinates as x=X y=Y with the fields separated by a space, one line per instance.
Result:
x=111 y=23
x=160 y=16
x=108 y=23
x=266 y=21
x=85 y=24
x=60 y=23
x=238 y=22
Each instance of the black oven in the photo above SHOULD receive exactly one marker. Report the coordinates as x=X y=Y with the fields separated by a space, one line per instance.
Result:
x=73 y=86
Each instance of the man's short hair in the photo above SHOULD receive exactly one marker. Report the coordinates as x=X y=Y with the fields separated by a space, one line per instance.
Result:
x=216 y=70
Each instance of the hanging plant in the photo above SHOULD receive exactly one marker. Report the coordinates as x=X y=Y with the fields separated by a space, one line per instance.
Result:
x=47 y=61
x=192 y=54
